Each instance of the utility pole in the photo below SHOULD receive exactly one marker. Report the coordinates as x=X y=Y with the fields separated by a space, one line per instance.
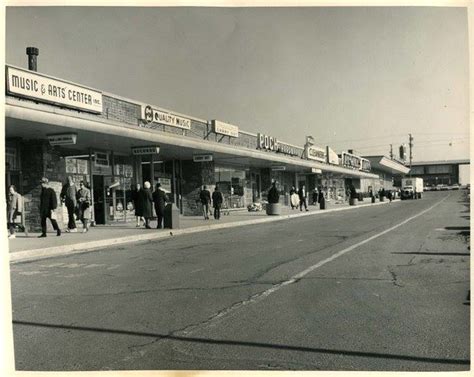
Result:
x=410 y=138
x=391 y=152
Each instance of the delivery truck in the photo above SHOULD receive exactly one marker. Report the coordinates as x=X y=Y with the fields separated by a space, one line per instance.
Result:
x=412 y=188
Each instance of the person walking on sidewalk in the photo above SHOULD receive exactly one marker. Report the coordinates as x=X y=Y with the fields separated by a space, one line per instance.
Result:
x=294 y=198
x=84 y=206
x=303 y=198
x=48 y=205
x=68 y=196
x=145 y=200
x=315 y=195
x=217 y=200
x=13 y=208
x=205 y=197
x=136 y=204
x=159 y=199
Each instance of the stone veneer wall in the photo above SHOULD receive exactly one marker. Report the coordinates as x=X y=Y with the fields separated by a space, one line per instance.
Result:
x=41 y=160
x=194 y=176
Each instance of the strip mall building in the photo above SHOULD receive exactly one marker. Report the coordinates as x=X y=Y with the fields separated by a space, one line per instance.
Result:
x=55 y=128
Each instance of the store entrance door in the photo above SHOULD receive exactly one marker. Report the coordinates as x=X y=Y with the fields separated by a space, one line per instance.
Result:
x=99 y=199
x=255 y=187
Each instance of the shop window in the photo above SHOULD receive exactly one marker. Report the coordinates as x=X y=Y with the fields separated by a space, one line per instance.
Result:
x=11 y=158
x=231 y=182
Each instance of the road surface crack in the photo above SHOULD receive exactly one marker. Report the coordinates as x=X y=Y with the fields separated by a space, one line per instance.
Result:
x=395 y=280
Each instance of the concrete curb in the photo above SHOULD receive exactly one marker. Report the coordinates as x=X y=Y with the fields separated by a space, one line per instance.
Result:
x=35 y=254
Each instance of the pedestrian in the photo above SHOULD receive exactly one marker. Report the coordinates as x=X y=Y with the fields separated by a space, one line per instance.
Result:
x=320 y=194
x=303 y=198
x=294 y=199
x=136 y=204
x=315 y=196
x=217 y=200
x=14 y=208
x=68 y=197
x=84 y=206
x=48 y=205
x=205 y=197
x=389 y=195
x=273 y=194
x=145 y=200
x=159 y=199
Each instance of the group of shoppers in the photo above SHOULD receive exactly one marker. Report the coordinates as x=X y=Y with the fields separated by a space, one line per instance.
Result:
x=217 y=201
x=144 y=201
x=302 y=196
x=77 y=201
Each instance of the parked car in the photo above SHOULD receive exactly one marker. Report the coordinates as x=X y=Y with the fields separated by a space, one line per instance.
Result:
x=455 y=187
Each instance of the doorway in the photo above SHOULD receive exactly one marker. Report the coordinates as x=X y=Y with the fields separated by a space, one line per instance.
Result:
x=99 y=199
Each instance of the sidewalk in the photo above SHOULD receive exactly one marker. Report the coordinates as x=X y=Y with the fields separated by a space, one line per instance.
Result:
x=31 y=248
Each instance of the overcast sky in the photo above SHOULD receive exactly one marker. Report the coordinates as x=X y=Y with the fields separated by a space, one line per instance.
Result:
x=360 y=78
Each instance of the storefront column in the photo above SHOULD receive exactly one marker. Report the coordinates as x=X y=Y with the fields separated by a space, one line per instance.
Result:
x=180 y=187
x=152 y=171
x=91 y=184
x=174 y=183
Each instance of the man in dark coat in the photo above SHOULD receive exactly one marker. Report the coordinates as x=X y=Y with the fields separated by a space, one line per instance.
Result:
x=68 y=196
x=205 y=197
x=159 y=199
x=273 y=194
x=303 y=198
x=145 y=200
x=48 y=204
x=217 y=200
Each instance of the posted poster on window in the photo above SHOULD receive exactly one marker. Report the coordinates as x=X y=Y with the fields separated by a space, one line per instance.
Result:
x=82 y=167
x=71 y=166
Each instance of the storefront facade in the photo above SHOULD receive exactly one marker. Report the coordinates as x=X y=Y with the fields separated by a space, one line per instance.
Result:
x=56 y=129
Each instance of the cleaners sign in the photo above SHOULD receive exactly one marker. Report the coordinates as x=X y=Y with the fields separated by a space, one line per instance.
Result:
x=44 y=89
x=150 y=115
x=315 y=153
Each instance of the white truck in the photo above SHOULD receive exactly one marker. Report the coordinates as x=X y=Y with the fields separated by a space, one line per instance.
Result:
x=412 y=188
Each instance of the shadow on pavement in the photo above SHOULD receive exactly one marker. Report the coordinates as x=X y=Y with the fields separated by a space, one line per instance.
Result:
x=250 y=344
x=425 y=253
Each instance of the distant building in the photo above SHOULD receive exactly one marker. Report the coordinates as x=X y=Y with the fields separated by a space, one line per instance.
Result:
x=439 y=172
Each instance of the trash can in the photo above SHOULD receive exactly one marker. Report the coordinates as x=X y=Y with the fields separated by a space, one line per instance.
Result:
x=360 y=197
x=373 y=199
x=382 y=198
x=322 y=202
x=273 y=209
x=352 y=201
x=171 y=216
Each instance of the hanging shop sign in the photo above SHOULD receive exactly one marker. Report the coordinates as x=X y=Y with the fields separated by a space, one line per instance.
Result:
x=332 y=157
x=278 y=168
x=62 y=139
x=101 y=158
x=225 y=128
x=42 y=88
x=316 y=171
x=365 y=164
x=272 y=144
x=153 y=149
x=203 y=157
x=349 y=160
x=315 y=153
x=151 y=115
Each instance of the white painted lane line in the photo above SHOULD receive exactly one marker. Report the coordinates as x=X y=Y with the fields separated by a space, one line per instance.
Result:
x=260 y=296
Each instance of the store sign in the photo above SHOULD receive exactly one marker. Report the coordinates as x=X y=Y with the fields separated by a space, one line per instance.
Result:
x=45 y=89
x=278 y=168
x=165 y=184
x=225 y=128
x=101 y=158
x=316 y=171
x=316 y=153
x=349 y=160
x=151 y=115
x=332 y=157
x=365 y=164
x=272 y=144
x=145 y=150
x=203 y=157
x=63 y=139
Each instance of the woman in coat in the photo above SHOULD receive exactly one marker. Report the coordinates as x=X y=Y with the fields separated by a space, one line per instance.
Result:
x=14 y=208
x=84 y=205
x=136 y=203
x=159 y=198
x=145 y=200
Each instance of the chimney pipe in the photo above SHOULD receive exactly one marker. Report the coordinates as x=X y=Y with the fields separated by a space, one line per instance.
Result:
x=32 y=53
